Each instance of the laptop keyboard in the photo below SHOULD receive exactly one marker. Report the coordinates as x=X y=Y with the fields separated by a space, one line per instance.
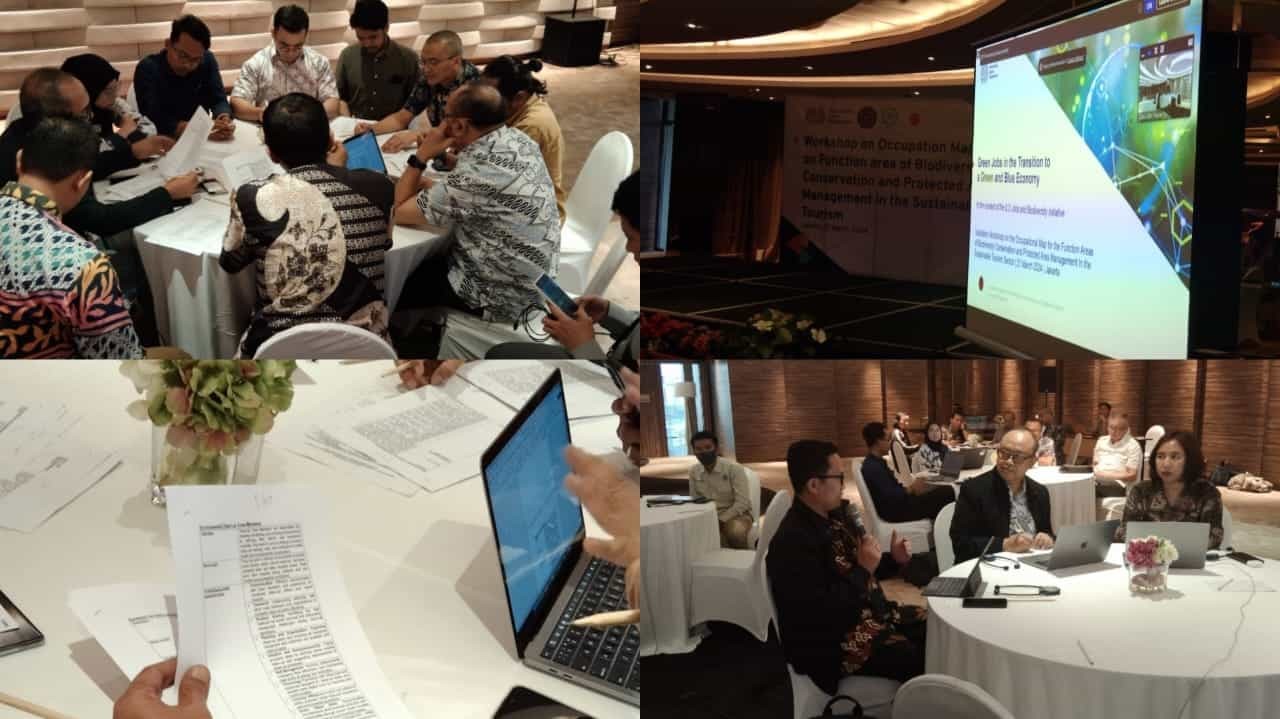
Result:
x=946 y=586
x=610 y=654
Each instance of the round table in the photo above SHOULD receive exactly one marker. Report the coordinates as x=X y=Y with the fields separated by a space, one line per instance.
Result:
x=671 y=538
x=1072 y=499
x=1099 y=651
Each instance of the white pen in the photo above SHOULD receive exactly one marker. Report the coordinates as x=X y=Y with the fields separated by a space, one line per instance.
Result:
x=1082 y=651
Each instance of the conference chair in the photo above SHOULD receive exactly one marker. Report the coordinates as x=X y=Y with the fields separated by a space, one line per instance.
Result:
x=901 y=467
x=727 y=584
x=467 y=337
x=588 y=209
x=939 y=696
x=608 y=267
x=917 y=531
x=753 y=490
x=942 y=537
x=1073 y=453
x=875 y=694
x=1226 y=528
x=325 y=340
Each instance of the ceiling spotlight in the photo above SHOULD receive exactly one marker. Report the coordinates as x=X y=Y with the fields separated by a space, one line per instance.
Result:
x=931 y=58
x=756 y=89
x=648 y=67
x=810 y=67
x=917 y=92
x=693 y=26
x=771 y=97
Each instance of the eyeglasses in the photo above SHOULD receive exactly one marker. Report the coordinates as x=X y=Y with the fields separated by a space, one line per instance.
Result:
x=433 y=61
x=832 y=476
x=1003 y=454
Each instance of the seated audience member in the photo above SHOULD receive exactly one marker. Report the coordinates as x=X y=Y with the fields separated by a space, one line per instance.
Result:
x=1104 y=417
x=283 y=67
x=49 y=92
x=376 y=75
x=932 y=451
x=1057 y=433
x=1004 y=504
x=1000 y=429
x=498 y=204
x=725 y=483
x=317 y=235
x=1045 y=451
x=824 y=570
x=901 y=435
x=443 y=71
x=59 y=296
x=956 y=430
x=1116 y=457
x=528 y=112
x=894 y=502
x=172 y=83
x=577 y=334
x=1175 y=489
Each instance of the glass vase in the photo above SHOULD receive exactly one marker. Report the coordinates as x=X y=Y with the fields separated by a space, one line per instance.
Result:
x=172 y=465
x=1148 y=580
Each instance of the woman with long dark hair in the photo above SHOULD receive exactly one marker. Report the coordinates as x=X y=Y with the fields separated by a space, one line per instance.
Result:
x=1176 y=489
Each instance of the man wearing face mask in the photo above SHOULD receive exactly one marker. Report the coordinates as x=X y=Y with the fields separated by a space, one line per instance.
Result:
x=724 y=483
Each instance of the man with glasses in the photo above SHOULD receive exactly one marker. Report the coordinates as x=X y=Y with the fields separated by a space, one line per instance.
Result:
x=443 y=71
x=824 y=571
x=172 y=83
x=285 y=66
x=1004 y=504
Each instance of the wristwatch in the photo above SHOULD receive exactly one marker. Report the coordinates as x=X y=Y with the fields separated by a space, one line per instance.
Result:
x=417 y=164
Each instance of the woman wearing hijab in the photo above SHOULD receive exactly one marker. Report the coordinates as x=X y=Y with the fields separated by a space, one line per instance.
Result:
x=128 y=137
x=932 y=450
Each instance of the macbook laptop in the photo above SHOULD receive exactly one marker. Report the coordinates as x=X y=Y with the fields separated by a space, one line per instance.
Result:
x=1078 y=544
x=538 y=528
x=958 y=586
x=1191 y=539
x=974 y=457
x=951 y=466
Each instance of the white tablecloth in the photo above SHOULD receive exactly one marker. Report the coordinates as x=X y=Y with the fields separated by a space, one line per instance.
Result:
x=1071 y=496
x=671 y=538
x=422 y=572
x=1145 y=654
x=202 y=309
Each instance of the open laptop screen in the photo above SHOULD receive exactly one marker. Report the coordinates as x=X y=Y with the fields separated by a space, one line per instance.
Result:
x=537 y=521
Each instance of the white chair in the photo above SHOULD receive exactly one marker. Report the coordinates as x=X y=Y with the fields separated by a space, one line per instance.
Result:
x=1073 y=449
x=942 y=537
x=325 y=340
x=938 y=696
x=608 y=268
x=875 y=694
x=901 y=467
x=753 y=490
x=917 y=531
x=589 y=207
x=726 y=584
x=1226 y=529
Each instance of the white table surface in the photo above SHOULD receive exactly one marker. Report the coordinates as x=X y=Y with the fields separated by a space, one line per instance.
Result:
x=204 y=310
x=1071 y=496
x=1147 y=651
x=671 y=538
x=422 y=572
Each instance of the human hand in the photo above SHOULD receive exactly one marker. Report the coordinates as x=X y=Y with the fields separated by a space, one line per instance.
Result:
x=918 y=486
x=869 y=553
x=401 y=141
x=900 y=548
x=596 y=307
x=151 y=146
x=450 y=160
x=1020 y=542
x=183 y=187
x=432 y=143
x=570 y=332
x=615 y=504
x=627 y=407
x=361 y=128
x=126 y=125
x=1042 y=541
x=224 y=129
x=142 y=699
x=337 y=153
x=420 y=373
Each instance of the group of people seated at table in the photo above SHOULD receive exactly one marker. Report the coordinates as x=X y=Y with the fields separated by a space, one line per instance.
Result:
x=824 y=568
x=316 y=236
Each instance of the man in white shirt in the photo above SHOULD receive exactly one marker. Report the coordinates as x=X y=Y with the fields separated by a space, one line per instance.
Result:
x=1116 y=458
x=285 y=66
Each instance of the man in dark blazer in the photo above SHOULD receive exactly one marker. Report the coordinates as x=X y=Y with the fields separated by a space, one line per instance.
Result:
x=824 y=570
x=1004 y=504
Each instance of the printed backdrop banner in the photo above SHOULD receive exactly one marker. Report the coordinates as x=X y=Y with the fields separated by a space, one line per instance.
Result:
x=882 y=185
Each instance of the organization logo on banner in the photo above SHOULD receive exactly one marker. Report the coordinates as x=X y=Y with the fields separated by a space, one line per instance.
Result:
x=867 y=117
x=816 y=115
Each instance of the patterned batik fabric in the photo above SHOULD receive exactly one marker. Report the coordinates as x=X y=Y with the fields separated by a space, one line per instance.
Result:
x=264 y=77
x=59 y=296
x=433 y=97
x=500 y=205
x=318 y=238
x=879 y=618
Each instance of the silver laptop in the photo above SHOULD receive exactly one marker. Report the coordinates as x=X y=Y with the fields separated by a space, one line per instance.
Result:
x=952 y=463
x=1191 y=539
x=1078 y=544
x=538 y=528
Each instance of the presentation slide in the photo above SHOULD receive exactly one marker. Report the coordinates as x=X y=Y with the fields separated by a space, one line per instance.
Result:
x=536 y=517
x=1083 y=180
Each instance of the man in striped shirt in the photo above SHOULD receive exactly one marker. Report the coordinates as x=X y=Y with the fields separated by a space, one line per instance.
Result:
x=317 y=236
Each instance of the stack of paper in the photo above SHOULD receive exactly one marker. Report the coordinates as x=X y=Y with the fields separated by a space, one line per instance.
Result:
x=46 y=463
x=588 y=389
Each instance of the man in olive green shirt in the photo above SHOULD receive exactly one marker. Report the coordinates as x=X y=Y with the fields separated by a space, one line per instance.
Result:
x=376 y=75
x=724 y=483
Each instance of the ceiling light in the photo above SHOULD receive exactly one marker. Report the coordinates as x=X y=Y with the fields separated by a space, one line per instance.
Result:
x=693 y=26
x=648 y=67
x=810 y=67
x=771 y=97
x=917 y=92
x=931 y=58
x=756 y=90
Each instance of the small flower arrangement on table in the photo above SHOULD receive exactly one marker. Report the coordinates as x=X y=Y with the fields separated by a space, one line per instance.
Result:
x=1148 y=560
x=209 y=416
x=774 y=333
